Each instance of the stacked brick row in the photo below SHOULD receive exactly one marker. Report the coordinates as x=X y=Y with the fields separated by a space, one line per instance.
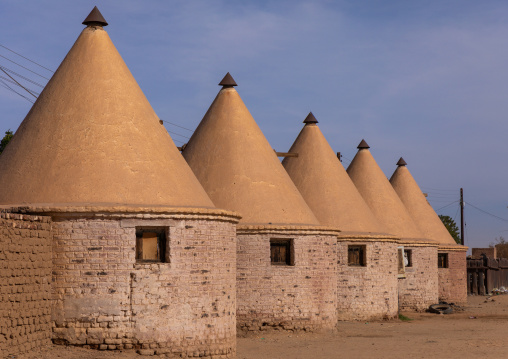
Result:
x=368 y=292
x=453 y=280
x=419 y=289
x=25 y=288
x=294 y=297
x=104 y=299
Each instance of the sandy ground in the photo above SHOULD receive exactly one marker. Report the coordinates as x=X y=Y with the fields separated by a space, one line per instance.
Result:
x=477 y=332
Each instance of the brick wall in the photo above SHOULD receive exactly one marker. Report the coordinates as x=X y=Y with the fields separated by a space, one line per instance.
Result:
x=476 y=253
x=420 y=287
x=453 y=280
x=105 y=300
x=25 y=275
x=368 y=292
x=299 y=297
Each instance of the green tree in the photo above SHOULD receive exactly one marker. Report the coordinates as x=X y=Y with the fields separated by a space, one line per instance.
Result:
x=7 y=138
x=451 y=226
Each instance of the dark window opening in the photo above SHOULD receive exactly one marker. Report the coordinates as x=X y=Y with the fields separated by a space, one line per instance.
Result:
x=442 y=260
x=282 y=252
x=356 y=256
x=408 y=257
x=151 y=244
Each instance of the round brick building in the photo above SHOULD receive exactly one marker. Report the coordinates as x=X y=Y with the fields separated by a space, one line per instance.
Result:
x=286 y=261
x=141 y=258
x=451 y=259
x=367 y=257
x=417 y=264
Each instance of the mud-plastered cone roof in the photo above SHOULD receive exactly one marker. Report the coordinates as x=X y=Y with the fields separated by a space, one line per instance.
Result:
x=418 y=207
x=92 y=137
x=325 y=185
x=239 y=170
x=380 y=196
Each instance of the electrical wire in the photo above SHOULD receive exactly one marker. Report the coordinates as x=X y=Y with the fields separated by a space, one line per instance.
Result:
x=438 y=200
x=14 y=83
x=488 y=213
x=16 y=92
x=177 y=134
x=20 y=85
x=26 y=58
x=457 y=212
x=26 y=68
x=21 y=76
x=177 y=140
x=441 y=190
x=449 y=204
x=174 y=124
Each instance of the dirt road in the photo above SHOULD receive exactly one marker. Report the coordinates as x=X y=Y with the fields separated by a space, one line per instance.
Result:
x=477 y=332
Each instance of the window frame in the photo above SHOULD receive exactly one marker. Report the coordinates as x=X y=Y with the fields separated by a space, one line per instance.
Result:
x=162 y=244
x=288 y=243
x=401 y=266
x=442 y=263
x=362 y=255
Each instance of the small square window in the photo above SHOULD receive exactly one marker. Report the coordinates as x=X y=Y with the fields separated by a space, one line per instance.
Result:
x=356 y=256
x=442 y=260
x=151 y=244
x=408 y=258
x=401 y=263
x=282 y=252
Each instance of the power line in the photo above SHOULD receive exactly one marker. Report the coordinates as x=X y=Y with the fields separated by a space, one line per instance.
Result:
x=26 y=68
x=457 y=212
x=490 y=214
x=177 y=140
x=438 y=200
x=430 y=194
x=439 y=190
x=449 y=204
x=13 y=82
x=20 y=85
x=23 y=77
x=16 y=92
x=177 y=134
x=174 y=124
x=26 y=58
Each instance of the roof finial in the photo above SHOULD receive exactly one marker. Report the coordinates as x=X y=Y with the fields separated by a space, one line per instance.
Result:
x=363 y=145
x=227 y=81
x=310 y=119
x=95 y=18
x=401 y=162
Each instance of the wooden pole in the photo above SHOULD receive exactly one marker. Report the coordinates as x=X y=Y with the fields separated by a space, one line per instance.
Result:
x=462 y=216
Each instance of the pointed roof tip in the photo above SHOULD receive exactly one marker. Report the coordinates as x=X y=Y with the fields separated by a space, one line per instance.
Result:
x=228 y=81
x=401 y=162
x=310 y=119
x=95 y=18
x=363 y=145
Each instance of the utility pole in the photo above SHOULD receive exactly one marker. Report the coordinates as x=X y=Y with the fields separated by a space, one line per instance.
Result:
x=462 y=216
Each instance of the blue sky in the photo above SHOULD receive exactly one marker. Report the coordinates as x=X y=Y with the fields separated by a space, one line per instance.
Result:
x=425 y=80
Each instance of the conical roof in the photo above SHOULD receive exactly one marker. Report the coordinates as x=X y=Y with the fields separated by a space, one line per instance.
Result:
x=92 y=137
x=325 y=185
x=239 y=169
x=380 y=196
x=420 y=210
